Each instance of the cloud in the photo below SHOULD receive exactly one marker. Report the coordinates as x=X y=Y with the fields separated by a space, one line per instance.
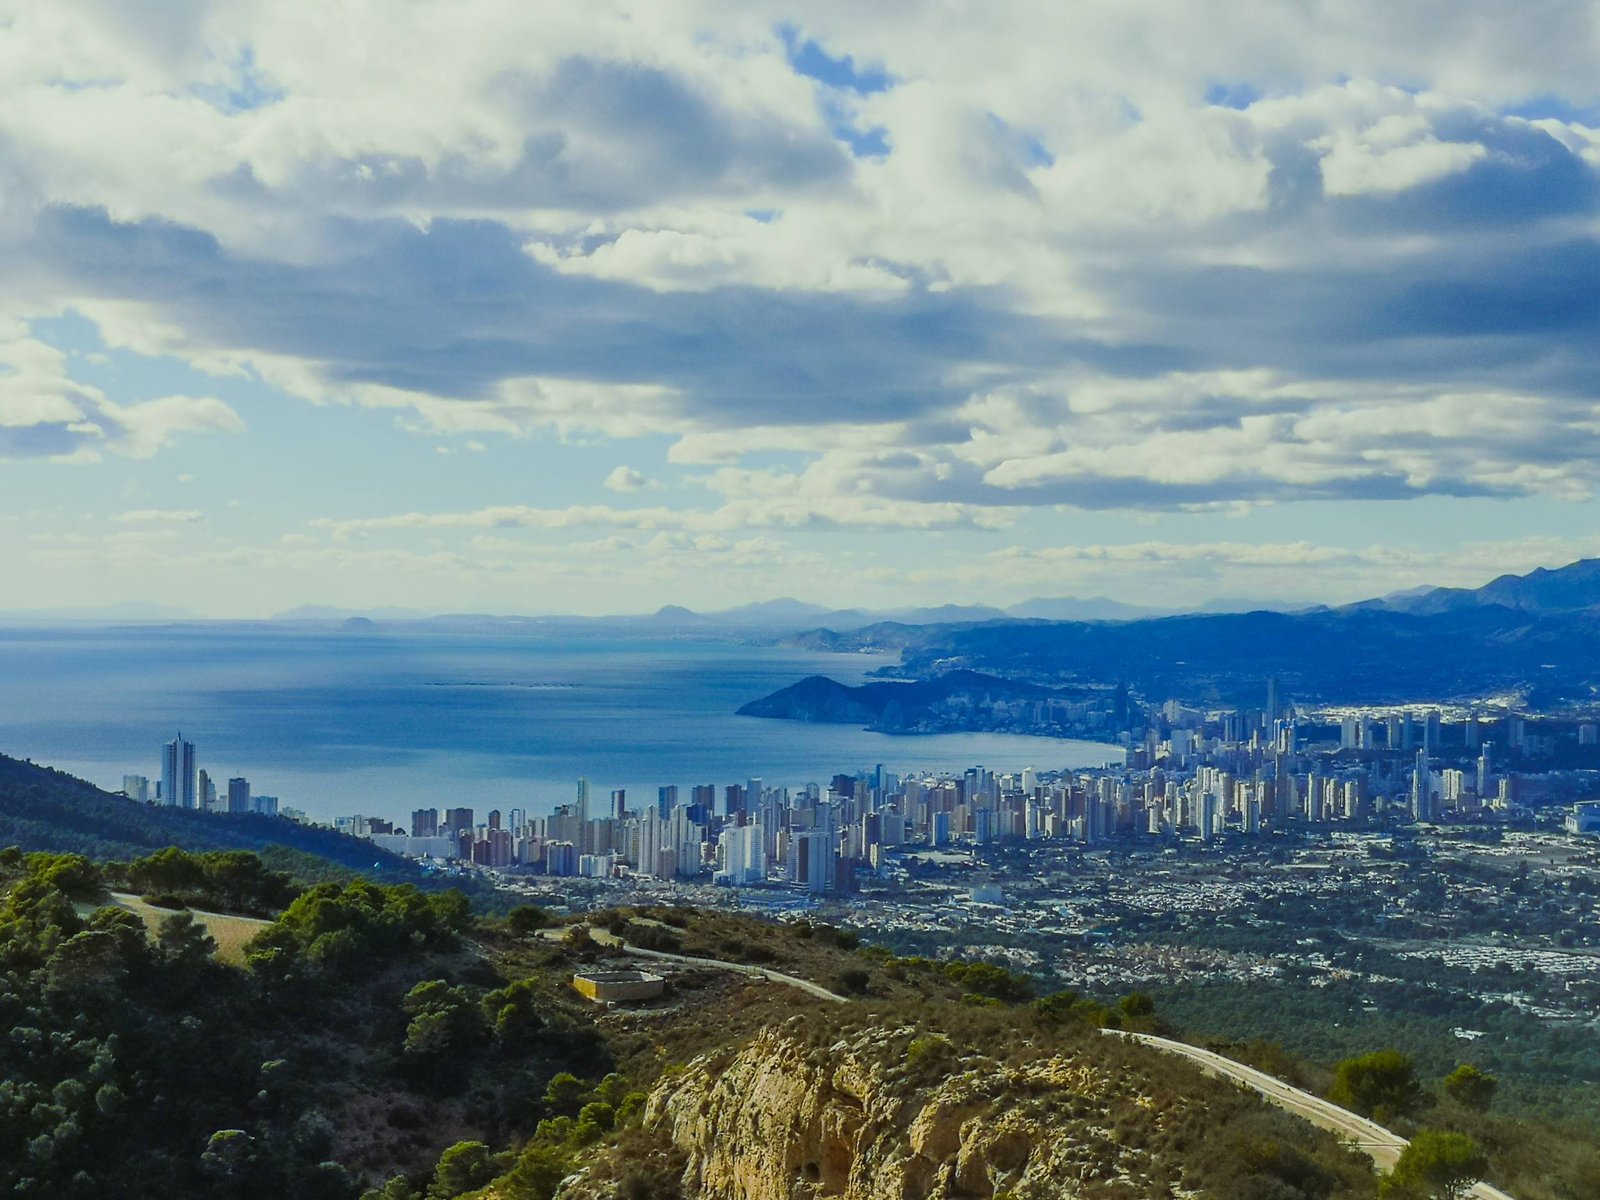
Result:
x=625 y=479
x=45 y=413
x=159 y=516
x=1174 y=257
x=754 y=500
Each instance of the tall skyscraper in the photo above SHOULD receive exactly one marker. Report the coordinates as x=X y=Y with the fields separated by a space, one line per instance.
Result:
x=238 y=795
x=583 y=802
x=1422 y=788
x=136 y=787
x=179 y=774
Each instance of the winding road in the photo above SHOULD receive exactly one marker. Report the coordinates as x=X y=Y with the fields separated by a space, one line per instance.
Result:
x=1382 y=1145
x=611 y=941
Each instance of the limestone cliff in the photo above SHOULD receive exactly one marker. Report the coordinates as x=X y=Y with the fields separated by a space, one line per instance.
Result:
x=883 y=1115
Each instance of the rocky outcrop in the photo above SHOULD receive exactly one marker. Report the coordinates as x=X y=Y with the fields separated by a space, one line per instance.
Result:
x=951 y=701
x=814 y=698
x=786 y=1120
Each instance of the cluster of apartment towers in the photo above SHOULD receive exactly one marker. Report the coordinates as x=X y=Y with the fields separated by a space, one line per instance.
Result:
x=1204 y=771
x=185 y=784
x=1193 y=773
x=807 y=832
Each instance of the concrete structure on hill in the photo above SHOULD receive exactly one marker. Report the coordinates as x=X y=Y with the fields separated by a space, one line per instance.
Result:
x=610 y=987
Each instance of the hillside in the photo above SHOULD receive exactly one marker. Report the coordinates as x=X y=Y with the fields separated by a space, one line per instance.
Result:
x=943 y=702
x=1571 y=588
x=45 y=809
x=1537 y=635
x=1355 y=655
x=376 y=1038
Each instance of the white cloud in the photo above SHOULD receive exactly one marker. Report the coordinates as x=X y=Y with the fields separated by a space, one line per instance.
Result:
x=159 y=516
x=757 y=500
x=45 y=413
x=1173 y=257
x=625 y=479
x=1395 y=154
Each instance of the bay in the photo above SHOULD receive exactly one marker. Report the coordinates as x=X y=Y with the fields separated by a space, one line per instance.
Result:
x=386 y=721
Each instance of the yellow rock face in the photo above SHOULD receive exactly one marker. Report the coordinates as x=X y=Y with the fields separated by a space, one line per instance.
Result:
x=781 y=1120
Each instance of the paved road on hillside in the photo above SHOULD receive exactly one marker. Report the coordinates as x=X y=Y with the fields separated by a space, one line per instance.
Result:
x=612 y=942
x=1383 y=1146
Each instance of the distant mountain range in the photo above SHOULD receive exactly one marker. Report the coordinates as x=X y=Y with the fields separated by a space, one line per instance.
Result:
x=1573 y=588
x=1536 y=636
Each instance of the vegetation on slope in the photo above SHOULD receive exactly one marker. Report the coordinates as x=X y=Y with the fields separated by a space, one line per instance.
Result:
x=364 y=1035
x=379 y=1037
x=45 y=809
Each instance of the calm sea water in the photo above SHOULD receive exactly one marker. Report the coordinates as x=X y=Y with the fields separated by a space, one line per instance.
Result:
x=382 y=723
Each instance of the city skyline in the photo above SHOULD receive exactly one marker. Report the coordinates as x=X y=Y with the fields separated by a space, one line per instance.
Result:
x=706 y=304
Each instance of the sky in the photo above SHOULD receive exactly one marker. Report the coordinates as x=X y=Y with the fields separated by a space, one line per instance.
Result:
x=499 y=306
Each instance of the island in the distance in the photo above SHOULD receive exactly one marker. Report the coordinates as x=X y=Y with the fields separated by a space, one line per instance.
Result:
x=957 y=700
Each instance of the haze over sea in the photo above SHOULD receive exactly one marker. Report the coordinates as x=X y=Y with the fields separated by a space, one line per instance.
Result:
x=380 y=723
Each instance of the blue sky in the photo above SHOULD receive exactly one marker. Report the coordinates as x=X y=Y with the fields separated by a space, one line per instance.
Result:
x=585 y=308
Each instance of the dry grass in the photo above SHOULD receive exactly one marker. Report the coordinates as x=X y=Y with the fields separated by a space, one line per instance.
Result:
x=230 y=933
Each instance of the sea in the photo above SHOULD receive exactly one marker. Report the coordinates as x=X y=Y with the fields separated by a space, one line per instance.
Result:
x=379 y=722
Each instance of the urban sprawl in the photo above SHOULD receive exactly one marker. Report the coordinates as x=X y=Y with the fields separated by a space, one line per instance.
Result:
x=1187 y=776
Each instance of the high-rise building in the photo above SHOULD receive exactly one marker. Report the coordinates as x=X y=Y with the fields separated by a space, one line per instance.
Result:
x=207 y=793
x=239 y=795
x=267 y=806
x=425 y=823
x=136 y=787
x=583 y=802
x=742 y=849
x=811 y=862
x=179 y=774
x=561 y=858
x=1422 y=788
x=1431 y=739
